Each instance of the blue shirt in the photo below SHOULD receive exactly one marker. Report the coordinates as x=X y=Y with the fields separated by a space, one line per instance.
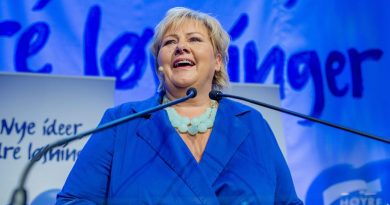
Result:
x=145 y=161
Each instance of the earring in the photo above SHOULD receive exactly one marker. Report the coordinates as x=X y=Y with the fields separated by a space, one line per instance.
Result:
x=161 y=69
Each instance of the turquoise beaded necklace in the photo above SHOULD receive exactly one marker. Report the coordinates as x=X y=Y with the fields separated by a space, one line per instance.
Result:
x=195 y=125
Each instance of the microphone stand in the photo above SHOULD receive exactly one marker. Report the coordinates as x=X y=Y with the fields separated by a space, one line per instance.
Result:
x=217 y=95
x=19 y=196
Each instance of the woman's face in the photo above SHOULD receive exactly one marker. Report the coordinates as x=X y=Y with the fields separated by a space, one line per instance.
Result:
x=187 y=57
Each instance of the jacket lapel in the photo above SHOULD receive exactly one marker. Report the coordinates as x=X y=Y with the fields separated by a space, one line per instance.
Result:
x=158 y=133
x=227 y=135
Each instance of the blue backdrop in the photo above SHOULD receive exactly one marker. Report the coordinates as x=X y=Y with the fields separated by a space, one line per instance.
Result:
x=330 y=58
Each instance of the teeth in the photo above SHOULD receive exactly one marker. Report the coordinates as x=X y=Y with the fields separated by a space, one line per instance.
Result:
x=183 y=62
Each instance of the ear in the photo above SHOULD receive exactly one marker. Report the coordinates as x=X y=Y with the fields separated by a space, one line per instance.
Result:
x=218 y=60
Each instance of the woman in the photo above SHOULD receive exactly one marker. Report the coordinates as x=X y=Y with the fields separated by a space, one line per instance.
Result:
x=197 y=152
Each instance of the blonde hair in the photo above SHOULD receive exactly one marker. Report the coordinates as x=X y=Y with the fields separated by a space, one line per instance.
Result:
x=219 y=39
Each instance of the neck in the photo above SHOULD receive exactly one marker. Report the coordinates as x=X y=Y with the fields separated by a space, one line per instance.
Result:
x=192 y=107
x=202 y=98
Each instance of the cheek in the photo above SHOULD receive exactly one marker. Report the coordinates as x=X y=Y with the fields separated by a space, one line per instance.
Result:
x=161 y=61
x=163 y=57
x=214 y=65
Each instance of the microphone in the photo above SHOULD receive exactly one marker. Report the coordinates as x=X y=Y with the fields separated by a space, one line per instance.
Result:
x=19 y=196
x=218 y=95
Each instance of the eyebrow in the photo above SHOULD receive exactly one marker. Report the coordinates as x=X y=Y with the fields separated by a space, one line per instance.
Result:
x=187 y=34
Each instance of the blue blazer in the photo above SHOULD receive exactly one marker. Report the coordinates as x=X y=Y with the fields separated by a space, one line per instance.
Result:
x=145 y=161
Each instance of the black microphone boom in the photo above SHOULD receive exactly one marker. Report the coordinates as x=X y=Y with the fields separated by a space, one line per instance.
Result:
x=217 y=95
x=19 y=196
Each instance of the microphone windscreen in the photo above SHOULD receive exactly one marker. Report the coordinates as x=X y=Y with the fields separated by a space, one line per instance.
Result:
x=192 y=92
x=215 y=95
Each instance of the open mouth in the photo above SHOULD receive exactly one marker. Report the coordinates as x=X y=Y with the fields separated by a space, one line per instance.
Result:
x=183 y=63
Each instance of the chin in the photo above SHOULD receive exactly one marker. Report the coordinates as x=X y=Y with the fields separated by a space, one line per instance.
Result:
x=184 y=83
x=184 y=86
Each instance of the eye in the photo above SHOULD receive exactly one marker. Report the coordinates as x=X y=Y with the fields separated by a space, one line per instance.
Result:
x=195 y=39
x=168 y=42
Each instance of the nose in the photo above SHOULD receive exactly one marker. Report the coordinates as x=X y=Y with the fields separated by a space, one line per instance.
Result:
x=181 y=48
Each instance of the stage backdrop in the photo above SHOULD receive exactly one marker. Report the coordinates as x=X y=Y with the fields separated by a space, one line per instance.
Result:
x=330 y=59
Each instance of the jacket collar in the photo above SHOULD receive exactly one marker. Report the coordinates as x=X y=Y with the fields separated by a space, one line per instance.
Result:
x=151 y=102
